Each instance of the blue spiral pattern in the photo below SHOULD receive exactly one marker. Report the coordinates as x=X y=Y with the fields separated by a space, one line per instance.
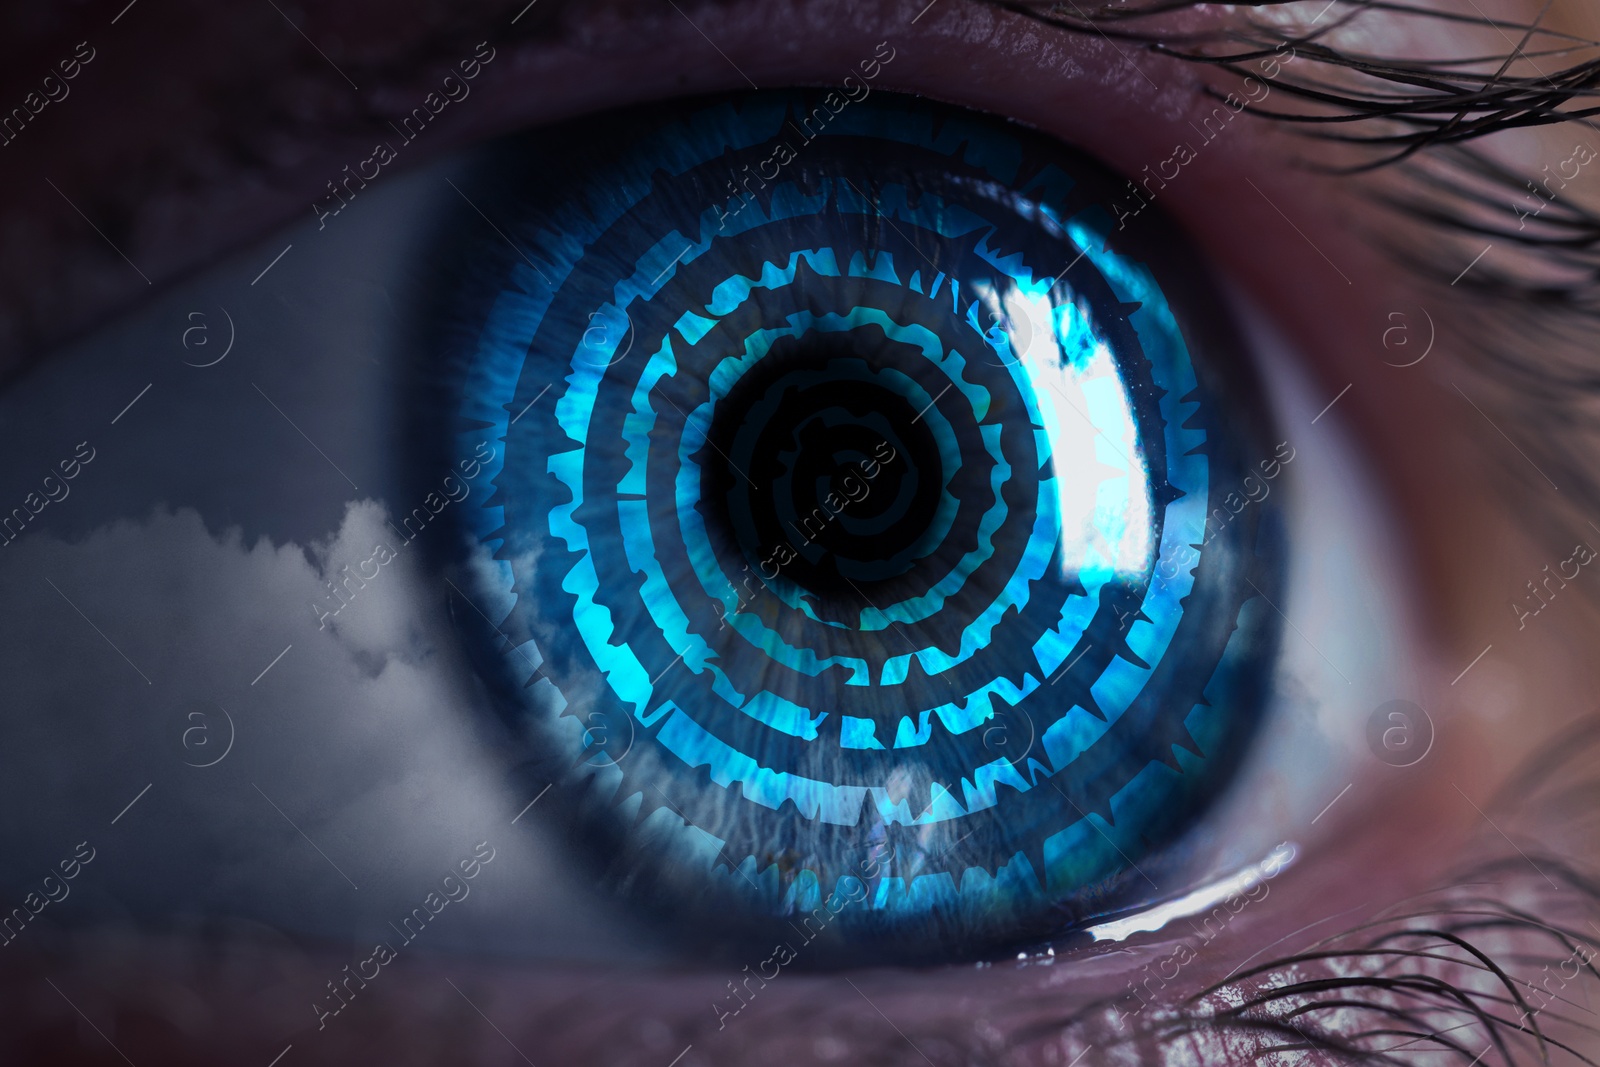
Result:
x=856 y=526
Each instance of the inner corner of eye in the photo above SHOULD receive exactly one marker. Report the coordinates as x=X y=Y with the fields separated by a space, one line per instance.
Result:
x=889 y=533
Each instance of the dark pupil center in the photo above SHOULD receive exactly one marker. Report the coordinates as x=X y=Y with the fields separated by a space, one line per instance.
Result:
x=824 y=469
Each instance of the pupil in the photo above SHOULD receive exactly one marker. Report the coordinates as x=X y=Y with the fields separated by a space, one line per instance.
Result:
x=824 y=470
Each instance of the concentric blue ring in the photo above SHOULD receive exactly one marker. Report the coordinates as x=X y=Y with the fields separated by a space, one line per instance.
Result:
x=813 y=479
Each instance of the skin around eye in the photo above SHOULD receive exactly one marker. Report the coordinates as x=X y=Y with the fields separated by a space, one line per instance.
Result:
x=1387 y=840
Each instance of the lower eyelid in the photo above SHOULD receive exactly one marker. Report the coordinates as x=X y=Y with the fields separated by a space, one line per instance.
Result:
x=427 y=1007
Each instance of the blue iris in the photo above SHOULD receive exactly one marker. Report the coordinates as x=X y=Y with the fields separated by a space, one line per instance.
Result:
x=868 y=521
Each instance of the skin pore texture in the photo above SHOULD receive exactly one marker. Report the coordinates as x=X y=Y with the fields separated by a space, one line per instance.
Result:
x=195 y=133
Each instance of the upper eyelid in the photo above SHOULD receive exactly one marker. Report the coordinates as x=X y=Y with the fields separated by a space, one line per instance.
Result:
x=63 y=276
x=388 y=71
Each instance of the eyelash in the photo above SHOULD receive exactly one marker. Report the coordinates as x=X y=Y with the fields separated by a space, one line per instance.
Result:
x=1545 y=282
x=1430 y=974
x=1431 y=112
x=1449 y=939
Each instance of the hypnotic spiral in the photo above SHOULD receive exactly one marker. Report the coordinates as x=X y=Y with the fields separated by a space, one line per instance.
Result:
x=833 y=506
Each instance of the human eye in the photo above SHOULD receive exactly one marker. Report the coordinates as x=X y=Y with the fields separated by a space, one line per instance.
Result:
x=1099 y=559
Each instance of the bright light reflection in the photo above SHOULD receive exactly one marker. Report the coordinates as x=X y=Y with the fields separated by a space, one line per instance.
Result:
x=1101 y=482
x=1202 y=899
